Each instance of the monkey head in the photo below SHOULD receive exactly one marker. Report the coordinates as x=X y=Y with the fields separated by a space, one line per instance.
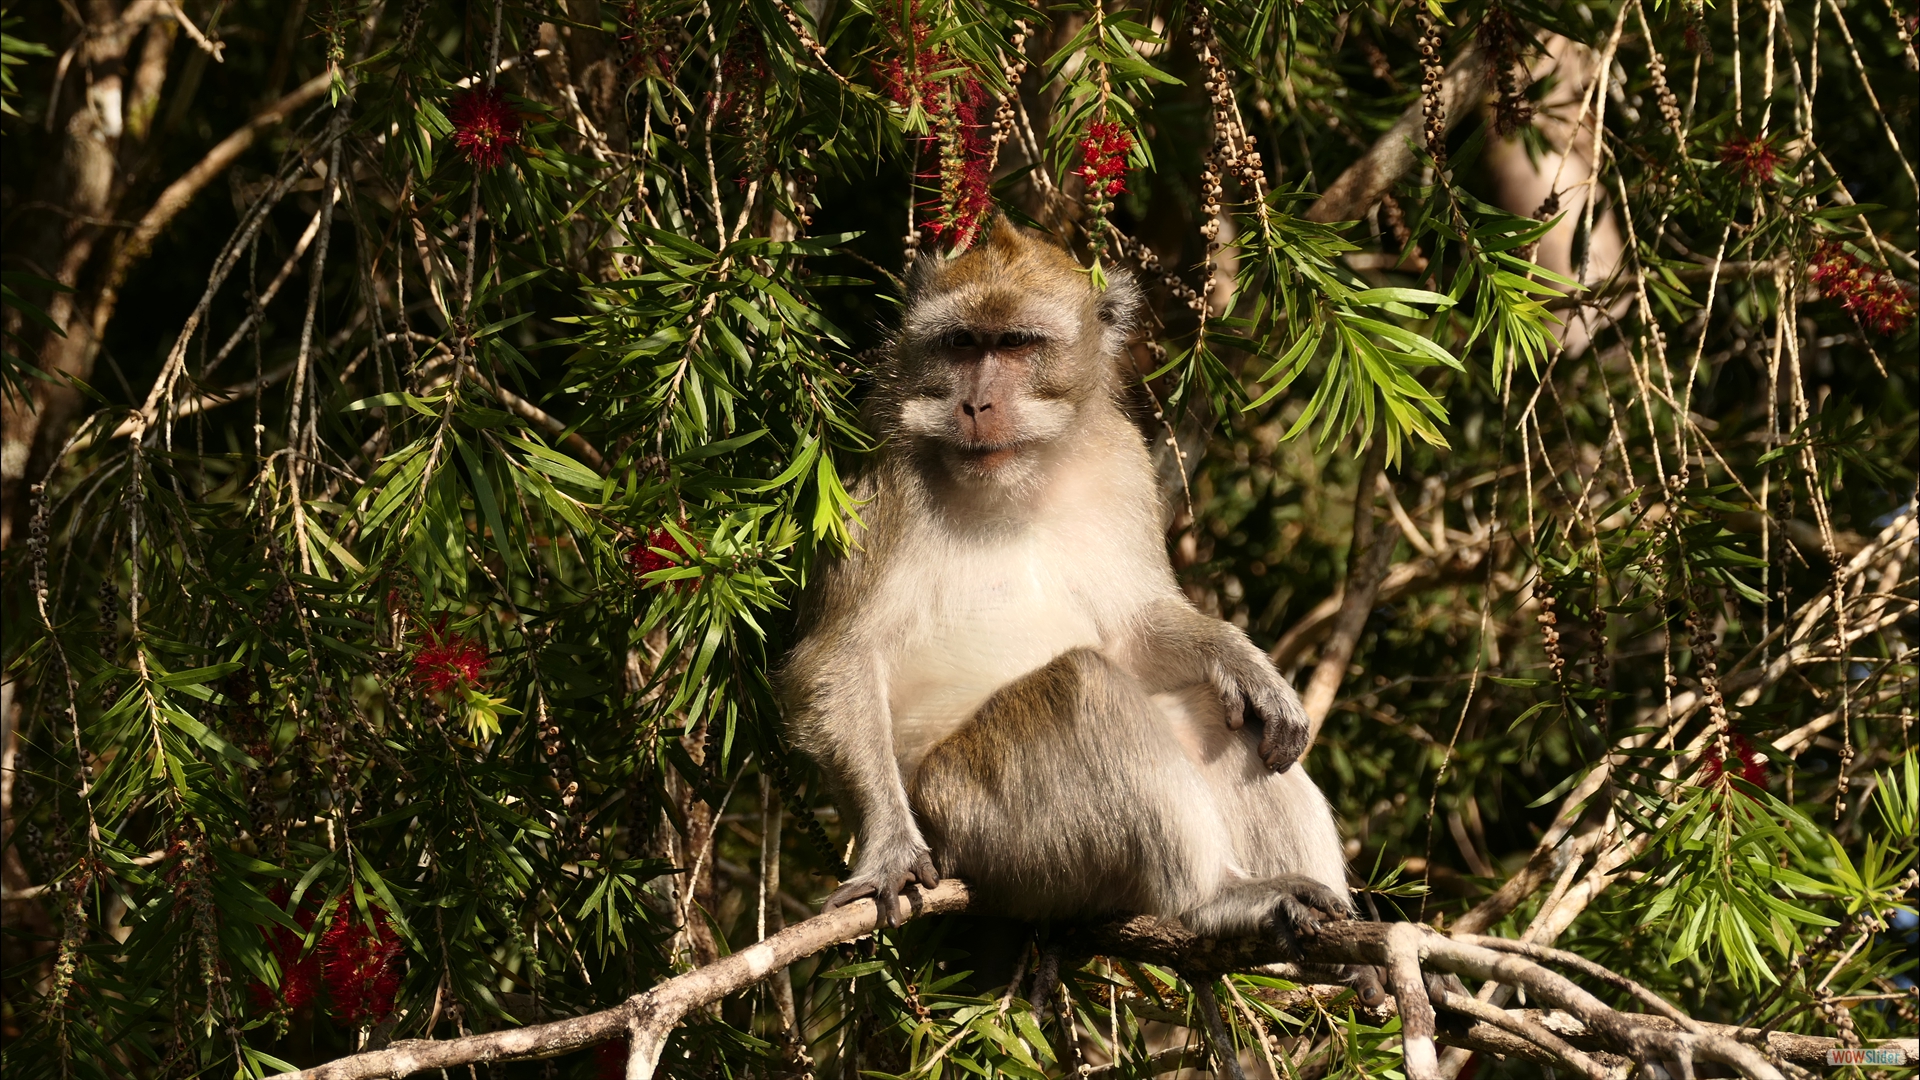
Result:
x=1002 y=352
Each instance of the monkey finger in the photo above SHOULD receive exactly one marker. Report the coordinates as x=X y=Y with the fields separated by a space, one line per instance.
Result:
x=924 y=872
x=847 y=894
x=1236 y=708
x=1281 y=744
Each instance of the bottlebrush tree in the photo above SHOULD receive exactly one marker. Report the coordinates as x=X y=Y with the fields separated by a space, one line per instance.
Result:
x=420 y=419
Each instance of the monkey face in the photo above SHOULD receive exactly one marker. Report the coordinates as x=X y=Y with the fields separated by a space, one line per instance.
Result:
x=1000 y=351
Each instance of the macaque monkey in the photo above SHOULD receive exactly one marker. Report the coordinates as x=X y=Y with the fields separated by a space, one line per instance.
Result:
x=1003 y=679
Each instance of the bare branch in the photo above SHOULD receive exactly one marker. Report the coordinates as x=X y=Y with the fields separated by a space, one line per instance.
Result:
x=1366 y=565
x=181 y=192
x=1583 y=1027
x=1525 y=1028
x=1410 y=991
x=645 y=1019
x=1392 y=155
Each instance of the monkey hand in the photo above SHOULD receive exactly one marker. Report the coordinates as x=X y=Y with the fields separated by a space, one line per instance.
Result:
x=881 y=875
x=1253 y=686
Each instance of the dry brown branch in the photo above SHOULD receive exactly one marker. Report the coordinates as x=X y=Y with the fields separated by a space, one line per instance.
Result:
x=1367 y=563
x=1580 y=1026
x=181 y=192
x=1410 y=993
x=1411 y=576
x=1172 y=1059
x=527 y=410
x=1392 y=155
x=645 y=1020
x=1527 y=1029
x=1585 y=967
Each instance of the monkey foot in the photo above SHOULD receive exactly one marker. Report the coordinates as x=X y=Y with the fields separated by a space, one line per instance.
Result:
x=1302 y=904
x=884 y=887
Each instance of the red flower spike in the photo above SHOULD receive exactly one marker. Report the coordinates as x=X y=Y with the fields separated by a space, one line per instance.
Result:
x=959 y=142
x=299 y=975
x=1103 y=156
x=1753 y=763
x=362 y=965
x=484 y=126
x=449 y=661
x=1877 y=299
x=610 y=1060
x=1753 y=159
x=645 y=560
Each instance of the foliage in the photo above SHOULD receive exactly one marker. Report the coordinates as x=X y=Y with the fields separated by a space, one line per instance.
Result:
x=419 y=679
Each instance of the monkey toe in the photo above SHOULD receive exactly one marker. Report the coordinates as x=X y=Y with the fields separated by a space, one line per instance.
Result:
x=1305 y=905
x=1301 y=920
x=1366 y=986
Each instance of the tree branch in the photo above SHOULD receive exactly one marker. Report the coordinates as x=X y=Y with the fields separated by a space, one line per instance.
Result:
x=181 y=192
x=1582 y=1026
x=1392 y=155
x=1366 y=565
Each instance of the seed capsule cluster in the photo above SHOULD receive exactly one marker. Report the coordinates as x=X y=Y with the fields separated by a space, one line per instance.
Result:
x=1013 y=70
x=1669 y=105
x=1432 y=75
x=1144 y=257
x=1706 y=657
x=1502 y=41
x=1549 y=620
x=1233 y=153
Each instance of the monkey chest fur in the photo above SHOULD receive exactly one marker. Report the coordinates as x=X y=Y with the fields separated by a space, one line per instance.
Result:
x=992 y=613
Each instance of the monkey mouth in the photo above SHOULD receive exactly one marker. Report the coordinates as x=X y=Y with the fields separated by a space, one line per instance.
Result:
x=990 y=457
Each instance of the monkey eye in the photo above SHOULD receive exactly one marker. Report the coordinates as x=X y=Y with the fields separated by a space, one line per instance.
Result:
x=962 y=339
x=1018 y=339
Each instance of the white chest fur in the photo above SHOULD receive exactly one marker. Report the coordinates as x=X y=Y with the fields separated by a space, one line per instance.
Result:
x=999 y=609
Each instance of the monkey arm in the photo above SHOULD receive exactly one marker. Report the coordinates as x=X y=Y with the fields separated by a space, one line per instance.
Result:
x=837 y=710
x=1176 y=646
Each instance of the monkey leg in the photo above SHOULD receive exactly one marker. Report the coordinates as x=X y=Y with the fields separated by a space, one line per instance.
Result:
x=1279 y=827
x=1068 y=795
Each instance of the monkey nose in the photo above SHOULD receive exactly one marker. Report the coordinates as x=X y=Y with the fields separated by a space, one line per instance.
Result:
x=971 y=409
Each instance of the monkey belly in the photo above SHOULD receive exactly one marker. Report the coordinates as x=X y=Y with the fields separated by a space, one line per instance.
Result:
x=1066 y=795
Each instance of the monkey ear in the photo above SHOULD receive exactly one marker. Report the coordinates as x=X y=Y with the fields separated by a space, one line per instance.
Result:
x=1119 y=304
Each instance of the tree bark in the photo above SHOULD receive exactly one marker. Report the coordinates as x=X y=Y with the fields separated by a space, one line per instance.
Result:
x=1366 y=566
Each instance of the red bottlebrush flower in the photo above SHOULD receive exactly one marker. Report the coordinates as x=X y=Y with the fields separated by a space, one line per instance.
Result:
x=449 y=661
x=1877 y=299
x=362 y=965
x=645 y=560
x=299 y=975
x=1753 y=763
x=1753 y=159
x=484 y=126
x=610 y=1060
x=645 y=39
x=959 y=142
x=1103 y=158
x=743 y=70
